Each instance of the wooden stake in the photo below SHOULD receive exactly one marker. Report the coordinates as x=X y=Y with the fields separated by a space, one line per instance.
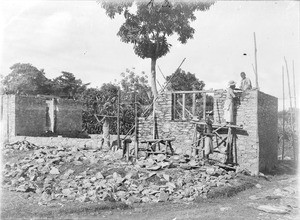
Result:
x=183 y=107
x=204 y=106
x=283 y=114
x=136 y=126
x=295 y=109
x=295 y=96
x=118 y=120
x=255 y=54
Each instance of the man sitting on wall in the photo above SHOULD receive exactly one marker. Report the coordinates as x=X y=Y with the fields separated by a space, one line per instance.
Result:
x=245 y=82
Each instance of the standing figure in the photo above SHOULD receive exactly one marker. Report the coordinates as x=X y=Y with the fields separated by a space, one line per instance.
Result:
x=208 y=146
x=229 y=102
x=245 y=82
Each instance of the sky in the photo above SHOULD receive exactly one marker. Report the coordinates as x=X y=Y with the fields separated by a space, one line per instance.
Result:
x=78 y=37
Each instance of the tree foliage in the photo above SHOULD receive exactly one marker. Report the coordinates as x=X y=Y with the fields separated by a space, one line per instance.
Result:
x=182 y=81
x=26 y=79
x=66 y=85
x=149 y=26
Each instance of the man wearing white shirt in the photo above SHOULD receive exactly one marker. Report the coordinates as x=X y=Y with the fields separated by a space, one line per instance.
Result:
x=245 y=82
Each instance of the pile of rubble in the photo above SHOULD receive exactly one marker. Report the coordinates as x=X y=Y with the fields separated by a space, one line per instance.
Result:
x=19 y=145
x=90 y=175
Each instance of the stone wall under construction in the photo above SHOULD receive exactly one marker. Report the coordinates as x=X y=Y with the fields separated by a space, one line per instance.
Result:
x=256 y=142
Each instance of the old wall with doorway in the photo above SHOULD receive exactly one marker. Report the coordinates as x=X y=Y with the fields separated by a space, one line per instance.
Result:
x=33 y=115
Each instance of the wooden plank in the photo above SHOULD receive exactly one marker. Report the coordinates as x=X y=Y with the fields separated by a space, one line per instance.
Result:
x=217 y=125
x=185 y=108
x=154 y=140
x=192 y=92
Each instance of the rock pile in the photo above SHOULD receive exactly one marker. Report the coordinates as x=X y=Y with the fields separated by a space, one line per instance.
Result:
x=89 y=175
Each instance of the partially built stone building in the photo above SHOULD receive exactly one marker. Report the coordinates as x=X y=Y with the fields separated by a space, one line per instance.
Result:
x=35 y=115
x=255 y=127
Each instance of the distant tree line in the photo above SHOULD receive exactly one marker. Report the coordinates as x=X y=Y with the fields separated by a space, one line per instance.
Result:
x=26 y=79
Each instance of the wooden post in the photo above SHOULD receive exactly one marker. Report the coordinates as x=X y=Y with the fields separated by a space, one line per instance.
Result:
x=283 y=114
x=204 y=105
x=183 y=107
x=118 y=120
x=174 y=106
x=136 y=128
x=295 y=96
x=291 y=109
x=295 y=109
x=194 y=104
x=255 y=55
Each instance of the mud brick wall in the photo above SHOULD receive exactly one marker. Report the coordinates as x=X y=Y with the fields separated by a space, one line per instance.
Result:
x=26 y=116
x=255 y=111
x=30 y=115
x=267 y=122
x=68 y=116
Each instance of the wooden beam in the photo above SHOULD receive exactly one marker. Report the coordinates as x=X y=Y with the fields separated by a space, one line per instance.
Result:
x=118 y=120
x=255 y=55
x=183 y=107
x=193 y=91
x=291 y=109
x=194 y=104
x=283 y=114
x=136 y=147
x=204 y=106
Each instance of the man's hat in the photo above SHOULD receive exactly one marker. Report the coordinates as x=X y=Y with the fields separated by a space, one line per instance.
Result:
x=231 y=83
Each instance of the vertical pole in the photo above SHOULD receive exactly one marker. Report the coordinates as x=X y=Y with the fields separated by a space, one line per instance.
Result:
x=291 y=109
x=183 y=107
x=194 y=104
x=118 y=120
x=295 y=108
x=255 y=54
x=283 y=114
x=204 y=105
x=136 y=127
x=174 y=106
x=235 y=148
x=295 y=96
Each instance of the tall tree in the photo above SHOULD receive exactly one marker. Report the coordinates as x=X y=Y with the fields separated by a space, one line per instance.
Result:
x=149 y=25
x=26 y=79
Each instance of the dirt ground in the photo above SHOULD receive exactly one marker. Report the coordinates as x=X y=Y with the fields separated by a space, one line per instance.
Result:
x=277 y=190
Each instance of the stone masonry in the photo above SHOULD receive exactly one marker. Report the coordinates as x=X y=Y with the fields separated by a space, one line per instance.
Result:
x=255 y=111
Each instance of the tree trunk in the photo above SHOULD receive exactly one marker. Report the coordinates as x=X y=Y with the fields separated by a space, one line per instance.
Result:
x=155 y=94
x=106 y=135
x=153 y=78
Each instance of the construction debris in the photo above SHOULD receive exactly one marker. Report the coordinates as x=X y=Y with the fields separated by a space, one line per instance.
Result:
x=90 y=175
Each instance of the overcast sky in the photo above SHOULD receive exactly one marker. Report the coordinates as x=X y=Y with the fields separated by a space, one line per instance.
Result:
x=77 y=36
